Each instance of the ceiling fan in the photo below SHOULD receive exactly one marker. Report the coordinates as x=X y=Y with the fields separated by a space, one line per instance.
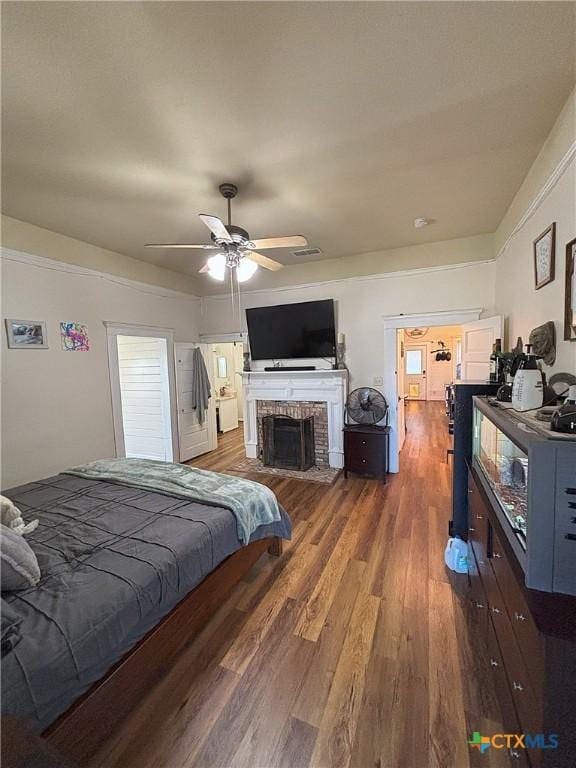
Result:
x=236 y=250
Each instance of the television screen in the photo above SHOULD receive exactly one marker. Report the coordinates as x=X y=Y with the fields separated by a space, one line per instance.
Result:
x=292 y=331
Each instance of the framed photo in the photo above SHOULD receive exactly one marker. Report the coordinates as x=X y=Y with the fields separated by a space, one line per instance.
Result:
x=26 y=334
x=570 y=293
x=544 y=257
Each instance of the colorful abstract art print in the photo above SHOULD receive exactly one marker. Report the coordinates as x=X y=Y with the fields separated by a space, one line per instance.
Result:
x=74 y=337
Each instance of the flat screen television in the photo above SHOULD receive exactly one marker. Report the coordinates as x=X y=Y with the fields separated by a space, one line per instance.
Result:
x=292 y=331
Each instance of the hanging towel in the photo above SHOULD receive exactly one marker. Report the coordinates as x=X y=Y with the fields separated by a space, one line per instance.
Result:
x=200 y=385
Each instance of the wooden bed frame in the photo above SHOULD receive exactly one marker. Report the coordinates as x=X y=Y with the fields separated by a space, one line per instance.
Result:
x=82 y=729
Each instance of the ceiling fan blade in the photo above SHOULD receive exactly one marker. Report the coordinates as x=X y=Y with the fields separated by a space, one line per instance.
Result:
x=179 y=245
x=293 y=241
x=263 y=261
x=216 y=226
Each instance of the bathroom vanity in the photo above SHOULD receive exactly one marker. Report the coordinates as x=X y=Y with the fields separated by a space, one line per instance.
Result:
x=227 y=412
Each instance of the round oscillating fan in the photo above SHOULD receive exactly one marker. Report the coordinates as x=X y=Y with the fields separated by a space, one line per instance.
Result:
x=366 y=406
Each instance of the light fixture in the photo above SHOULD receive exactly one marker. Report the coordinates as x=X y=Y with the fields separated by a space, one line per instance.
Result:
x=245 y=270
x=420 y=222
x=217 y=267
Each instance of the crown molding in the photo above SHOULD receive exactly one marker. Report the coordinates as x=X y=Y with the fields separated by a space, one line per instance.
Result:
x=224 y=338
x=543 y=193
x=42 y=262
x=354 y=279
x=431 y=319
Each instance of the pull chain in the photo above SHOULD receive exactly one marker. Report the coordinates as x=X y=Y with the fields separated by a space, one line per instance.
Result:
x=232 y=294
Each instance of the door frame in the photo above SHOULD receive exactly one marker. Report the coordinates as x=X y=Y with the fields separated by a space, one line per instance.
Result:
x=391 y=324
x=115 y=329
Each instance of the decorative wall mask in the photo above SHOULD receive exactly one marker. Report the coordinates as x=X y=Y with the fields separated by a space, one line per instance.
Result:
x=543 y=341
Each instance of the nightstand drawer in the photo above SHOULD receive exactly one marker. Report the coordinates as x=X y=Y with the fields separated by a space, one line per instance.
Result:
x=365 y=462
x=361 y=441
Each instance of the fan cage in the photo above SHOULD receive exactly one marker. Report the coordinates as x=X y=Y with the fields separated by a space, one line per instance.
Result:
x=375 y=404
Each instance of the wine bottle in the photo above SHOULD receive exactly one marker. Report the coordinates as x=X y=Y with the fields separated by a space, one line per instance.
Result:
x=493 y=364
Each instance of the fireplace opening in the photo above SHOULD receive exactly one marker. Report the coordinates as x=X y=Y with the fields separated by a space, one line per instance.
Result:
x=288 y=443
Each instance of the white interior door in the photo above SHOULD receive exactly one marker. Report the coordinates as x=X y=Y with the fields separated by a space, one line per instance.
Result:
x=415 y=371
x=478 y=338
x=195 y=438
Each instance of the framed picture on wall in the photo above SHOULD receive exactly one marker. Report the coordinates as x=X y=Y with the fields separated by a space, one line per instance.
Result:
x=544 y=257
x=570 y=293
x=26 y=334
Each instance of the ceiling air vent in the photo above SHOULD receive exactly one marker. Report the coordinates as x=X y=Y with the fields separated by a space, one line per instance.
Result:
x=304 y=253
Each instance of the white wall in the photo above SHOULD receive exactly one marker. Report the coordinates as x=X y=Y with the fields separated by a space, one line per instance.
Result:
x=56 y=405
x=361 y=303
x=547 y=195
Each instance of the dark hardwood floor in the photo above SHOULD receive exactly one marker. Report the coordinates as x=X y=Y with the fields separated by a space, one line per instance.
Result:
x=349 y=650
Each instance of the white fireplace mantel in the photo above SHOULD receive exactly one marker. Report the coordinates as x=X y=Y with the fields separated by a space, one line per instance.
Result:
x=322 y=386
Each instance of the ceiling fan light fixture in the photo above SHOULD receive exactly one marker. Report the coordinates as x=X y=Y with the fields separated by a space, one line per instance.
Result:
x=217 y=267
x=245 y=270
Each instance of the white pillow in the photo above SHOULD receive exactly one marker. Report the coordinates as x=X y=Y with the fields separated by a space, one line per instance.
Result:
x=20 y=568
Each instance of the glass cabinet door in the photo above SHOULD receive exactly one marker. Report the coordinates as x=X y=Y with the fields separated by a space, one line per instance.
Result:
x=505 y=466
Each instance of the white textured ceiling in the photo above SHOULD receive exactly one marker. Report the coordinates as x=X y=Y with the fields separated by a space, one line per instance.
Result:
x=339 y=121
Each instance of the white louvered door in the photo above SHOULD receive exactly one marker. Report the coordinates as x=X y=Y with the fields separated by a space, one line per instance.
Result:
x=145 y=394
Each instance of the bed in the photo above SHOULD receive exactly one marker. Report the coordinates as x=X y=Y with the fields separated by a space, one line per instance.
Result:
x=128 y=575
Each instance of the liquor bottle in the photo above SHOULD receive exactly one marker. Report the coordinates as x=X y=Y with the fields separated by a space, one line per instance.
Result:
x=496 y=362
x=500 y=372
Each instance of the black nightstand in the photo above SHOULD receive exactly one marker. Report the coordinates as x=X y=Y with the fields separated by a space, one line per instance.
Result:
x=366 y=450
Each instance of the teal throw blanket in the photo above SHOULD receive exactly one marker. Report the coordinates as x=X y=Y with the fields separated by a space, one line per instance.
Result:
x=252 y=504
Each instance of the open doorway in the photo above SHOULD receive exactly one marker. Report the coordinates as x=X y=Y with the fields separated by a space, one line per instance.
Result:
x=473 y=355
x=227 y=362
x=432 y=360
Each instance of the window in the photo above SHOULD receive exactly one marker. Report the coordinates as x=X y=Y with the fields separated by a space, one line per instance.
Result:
x=414 y=362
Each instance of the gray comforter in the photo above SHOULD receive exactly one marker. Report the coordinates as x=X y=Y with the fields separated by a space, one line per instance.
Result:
x=252 y=504
x=114 y=561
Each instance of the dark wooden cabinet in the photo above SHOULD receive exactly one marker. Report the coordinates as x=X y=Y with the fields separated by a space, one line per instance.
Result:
x=530 y=637
x=461 y=410
x=366 y=450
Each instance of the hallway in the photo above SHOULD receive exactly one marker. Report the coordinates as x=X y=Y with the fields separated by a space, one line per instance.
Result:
x=349 y=650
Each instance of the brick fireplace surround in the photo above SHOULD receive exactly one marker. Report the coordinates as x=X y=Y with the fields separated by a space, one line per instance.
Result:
x=300 y=409
x=319 y=393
